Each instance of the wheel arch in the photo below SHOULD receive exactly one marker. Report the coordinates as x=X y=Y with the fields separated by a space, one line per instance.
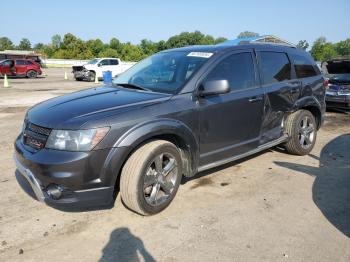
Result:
x=170 y=130
x=311 y=104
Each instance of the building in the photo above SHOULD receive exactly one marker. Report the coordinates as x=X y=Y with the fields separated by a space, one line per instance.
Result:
x=19 y=54
x=258 y=39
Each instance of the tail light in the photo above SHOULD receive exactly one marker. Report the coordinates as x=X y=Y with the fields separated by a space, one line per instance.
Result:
x=325 y=83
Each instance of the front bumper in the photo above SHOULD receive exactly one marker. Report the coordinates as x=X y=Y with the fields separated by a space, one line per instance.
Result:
x=84 y=74
x=87 y=179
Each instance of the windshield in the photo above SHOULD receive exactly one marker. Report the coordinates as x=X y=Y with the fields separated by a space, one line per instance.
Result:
x=164 y=72
x=93 y=61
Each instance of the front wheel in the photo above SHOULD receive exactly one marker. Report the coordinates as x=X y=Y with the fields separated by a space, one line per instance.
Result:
x=91 y=76
x=151 y=177
x=302 y=131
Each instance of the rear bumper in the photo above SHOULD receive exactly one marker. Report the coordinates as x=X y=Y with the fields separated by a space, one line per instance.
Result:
x=338 y=101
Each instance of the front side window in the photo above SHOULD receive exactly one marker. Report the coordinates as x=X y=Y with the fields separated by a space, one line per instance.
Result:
x=237 y=69
x=275 y=67
x=164 y=72
x=104 y=62
x=303 y=66
x=93 y=61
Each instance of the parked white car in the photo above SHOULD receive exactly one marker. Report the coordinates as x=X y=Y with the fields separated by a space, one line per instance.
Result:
x=96 y=67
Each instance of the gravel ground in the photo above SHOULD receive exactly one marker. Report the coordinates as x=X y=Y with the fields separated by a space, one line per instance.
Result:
x=268 y=207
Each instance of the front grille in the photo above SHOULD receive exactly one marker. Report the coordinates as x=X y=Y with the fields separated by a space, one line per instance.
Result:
x=35 y=136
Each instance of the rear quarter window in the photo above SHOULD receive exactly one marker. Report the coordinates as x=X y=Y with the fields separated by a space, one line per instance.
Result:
x=275 y=67
x=304 y=66
x=21 y=62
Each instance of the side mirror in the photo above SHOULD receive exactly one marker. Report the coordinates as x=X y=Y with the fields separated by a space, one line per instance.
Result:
x=214 y=87
x=99 y=65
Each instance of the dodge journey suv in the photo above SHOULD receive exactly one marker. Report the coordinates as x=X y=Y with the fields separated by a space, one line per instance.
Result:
x=174 y=114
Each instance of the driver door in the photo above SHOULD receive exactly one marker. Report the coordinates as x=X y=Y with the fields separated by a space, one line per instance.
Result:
x=230 y=123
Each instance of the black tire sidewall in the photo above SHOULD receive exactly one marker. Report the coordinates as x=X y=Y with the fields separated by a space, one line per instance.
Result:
x=165 y=148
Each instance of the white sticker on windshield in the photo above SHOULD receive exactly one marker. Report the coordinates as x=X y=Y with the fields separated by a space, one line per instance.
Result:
x=200 y=54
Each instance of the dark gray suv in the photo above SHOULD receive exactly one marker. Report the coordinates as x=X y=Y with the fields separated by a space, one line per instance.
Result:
x=173 y=114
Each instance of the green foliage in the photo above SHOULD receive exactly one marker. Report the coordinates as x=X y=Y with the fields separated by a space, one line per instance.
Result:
x=24 y=44
x=303 y=44
x=322 y=50
x=5 y=43
x=247 y=34
x=343 y=47
x=71 y=47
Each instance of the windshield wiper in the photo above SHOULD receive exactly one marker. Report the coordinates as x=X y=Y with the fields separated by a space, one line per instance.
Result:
x=132 y=86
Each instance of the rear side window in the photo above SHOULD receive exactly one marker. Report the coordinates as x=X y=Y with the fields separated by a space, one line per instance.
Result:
x=113 y=62
x=238 y=69
x=303 y=66
x=29 y=62
x=275 y=67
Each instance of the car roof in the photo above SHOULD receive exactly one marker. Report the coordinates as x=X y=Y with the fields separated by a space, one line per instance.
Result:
x=225 y=48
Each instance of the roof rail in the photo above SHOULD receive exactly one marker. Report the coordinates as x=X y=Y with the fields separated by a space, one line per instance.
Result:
x=265 y=43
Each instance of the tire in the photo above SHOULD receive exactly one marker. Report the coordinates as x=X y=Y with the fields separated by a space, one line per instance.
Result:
x=32 y=74
x=79 y=79
x=92 y=76
x=143 y=188
x=302 y=130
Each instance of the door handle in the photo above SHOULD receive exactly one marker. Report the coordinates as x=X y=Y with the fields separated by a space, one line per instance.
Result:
x=255 y=99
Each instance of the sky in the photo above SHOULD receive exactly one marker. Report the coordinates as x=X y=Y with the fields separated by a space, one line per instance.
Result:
x=133 y=20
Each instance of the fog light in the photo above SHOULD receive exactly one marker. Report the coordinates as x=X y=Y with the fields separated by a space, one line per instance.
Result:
x=54 y=191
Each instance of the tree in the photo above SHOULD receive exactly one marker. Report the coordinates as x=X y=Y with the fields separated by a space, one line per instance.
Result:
x=5 y=43
x=115 y=44
x=24 y=44
x=220 y=40
x=322 y=50
x=38 y=46
x=343 y=47
x=247 y=34
x=148 y=47
x=109 y=52
x=56 y=41
x=131 y=52
x=303 y=44
x=95 y=46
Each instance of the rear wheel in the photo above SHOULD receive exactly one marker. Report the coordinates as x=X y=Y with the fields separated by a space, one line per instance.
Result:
x=32 y=74
x=301 y=128
x=151 y=177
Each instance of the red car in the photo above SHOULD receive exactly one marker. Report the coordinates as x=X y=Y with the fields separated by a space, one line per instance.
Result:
x=20 y=67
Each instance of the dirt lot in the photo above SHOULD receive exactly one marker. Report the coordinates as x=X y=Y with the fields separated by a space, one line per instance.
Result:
x=270 y=207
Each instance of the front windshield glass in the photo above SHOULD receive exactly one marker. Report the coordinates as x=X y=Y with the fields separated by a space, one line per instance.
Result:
x=164 y=72
x=93 y=61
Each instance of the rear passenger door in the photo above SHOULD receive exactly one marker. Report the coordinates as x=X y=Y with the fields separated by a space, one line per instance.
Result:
x=21 y=67
x=281 y=90
x=230 y=123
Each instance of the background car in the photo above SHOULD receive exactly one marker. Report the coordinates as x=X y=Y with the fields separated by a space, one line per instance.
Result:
x=96 y=67
x=20 y=67
x=338 y=73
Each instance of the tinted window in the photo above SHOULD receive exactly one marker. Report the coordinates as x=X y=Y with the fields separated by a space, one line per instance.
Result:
x=29 y=62
x=238 y=69
x=303 y=66
x=104 y=62
x=21 y=62
x=275 y=67
x=113 y=62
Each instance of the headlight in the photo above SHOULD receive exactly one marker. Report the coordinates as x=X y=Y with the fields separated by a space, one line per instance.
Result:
x=76 y=140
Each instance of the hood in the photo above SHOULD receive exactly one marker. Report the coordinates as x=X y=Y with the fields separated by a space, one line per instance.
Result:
x=89 y=66
x=74 y=110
